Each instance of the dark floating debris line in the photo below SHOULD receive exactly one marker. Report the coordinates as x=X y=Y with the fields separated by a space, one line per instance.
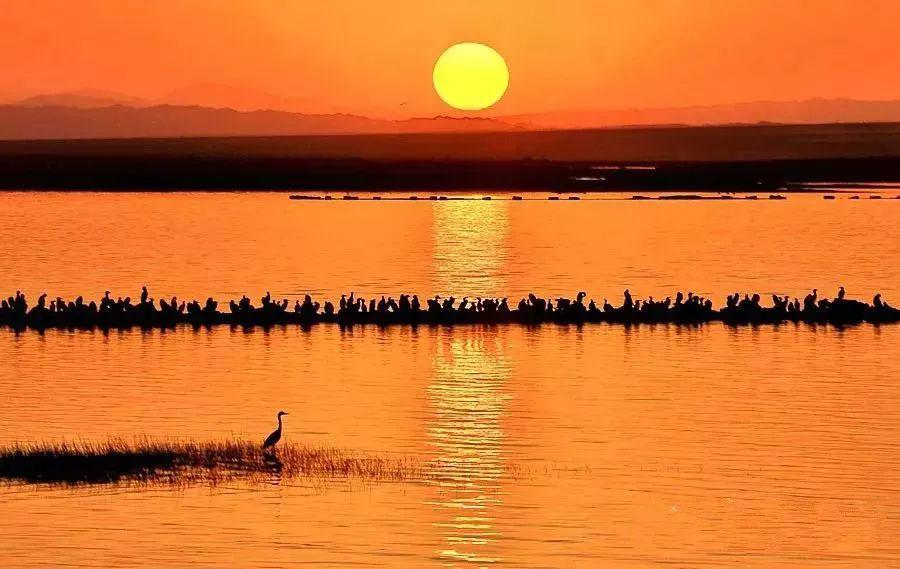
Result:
x=558 y=196
x=351 y=310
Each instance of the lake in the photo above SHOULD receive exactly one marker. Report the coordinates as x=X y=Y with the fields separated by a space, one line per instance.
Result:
x=637 y=446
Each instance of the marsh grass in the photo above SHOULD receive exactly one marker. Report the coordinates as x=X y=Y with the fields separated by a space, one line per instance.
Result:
x=175 y=462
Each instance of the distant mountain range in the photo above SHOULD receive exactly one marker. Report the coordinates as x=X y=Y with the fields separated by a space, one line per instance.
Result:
x=83 y=99
x=100 y=114
x=809 y=111
x=20 y=122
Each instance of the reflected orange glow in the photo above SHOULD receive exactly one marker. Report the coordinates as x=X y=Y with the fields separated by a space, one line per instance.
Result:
x=468 y=397
x=698 y=445
x=190 y=245
x=471 y=248
x=644 y=443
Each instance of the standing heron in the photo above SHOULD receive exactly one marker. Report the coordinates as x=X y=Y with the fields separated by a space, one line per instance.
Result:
x=273 y=439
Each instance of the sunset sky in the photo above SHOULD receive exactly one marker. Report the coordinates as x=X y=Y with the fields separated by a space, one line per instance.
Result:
x=376 y=57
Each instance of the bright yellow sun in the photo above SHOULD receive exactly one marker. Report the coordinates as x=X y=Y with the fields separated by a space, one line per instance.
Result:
x=470 y=76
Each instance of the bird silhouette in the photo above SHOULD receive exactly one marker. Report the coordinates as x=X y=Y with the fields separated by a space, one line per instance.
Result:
x=273 y=439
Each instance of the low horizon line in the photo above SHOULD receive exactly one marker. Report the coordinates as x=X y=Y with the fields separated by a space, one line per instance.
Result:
x=139 y=104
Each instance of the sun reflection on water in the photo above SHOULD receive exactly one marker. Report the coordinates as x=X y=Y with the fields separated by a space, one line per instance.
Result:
x=470 y=247
x=468 y=400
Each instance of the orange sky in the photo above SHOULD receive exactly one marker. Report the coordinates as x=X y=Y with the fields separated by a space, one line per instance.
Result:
x=376 y=58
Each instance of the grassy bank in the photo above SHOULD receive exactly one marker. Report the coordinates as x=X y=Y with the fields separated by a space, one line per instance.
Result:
x=175 y=462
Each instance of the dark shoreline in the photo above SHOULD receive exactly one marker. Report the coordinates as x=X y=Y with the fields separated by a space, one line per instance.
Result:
x=44 y=173
x=726 y=158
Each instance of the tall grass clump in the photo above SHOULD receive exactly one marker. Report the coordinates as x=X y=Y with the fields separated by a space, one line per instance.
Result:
x=161 y=461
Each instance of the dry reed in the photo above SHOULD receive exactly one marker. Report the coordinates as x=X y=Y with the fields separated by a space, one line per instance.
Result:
x=162 y=461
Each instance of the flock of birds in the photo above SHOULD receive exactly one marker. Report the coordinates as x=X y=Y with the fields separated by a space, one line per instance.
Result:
x=16 y=312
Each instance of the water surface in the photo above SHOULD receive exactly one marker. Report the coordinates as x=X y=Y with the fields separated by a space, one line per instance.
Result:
x=201 y=244
x=643 y=446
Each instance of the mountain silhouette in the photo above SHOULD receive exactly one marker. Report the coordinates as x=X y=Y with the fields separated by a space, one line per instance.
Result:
x=22 y=122
x=99 y=114
x=81 y=99
x=809 y=111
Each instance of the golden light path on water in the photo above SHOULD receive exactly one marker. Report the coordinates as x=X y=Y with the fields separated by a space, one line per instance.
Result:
x=468 y=398
x=470 y=247
x=468 y=394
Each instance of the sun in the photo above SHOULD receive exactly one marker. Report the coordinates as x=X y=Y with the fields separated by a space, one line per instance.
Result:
x=470 y=76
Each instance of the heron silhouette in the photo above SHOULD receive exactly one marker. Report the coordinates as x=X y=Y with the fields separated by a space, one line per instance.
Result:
x=273 y=439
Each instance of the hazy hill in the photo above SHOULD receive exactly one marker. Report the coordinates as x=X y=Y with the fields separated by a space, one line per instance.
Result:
x=248 y=99
x=98 y=114
x=82 y=99
x=810 y=111
x=20 y=122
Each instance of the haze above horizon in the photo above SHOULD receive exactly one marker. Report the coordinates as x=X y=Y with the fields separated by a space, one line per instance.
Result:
x=376 y=61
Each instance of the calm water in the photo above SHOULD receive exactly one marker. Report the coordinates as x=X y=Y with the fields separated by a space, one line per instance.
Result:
x=647 y=446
